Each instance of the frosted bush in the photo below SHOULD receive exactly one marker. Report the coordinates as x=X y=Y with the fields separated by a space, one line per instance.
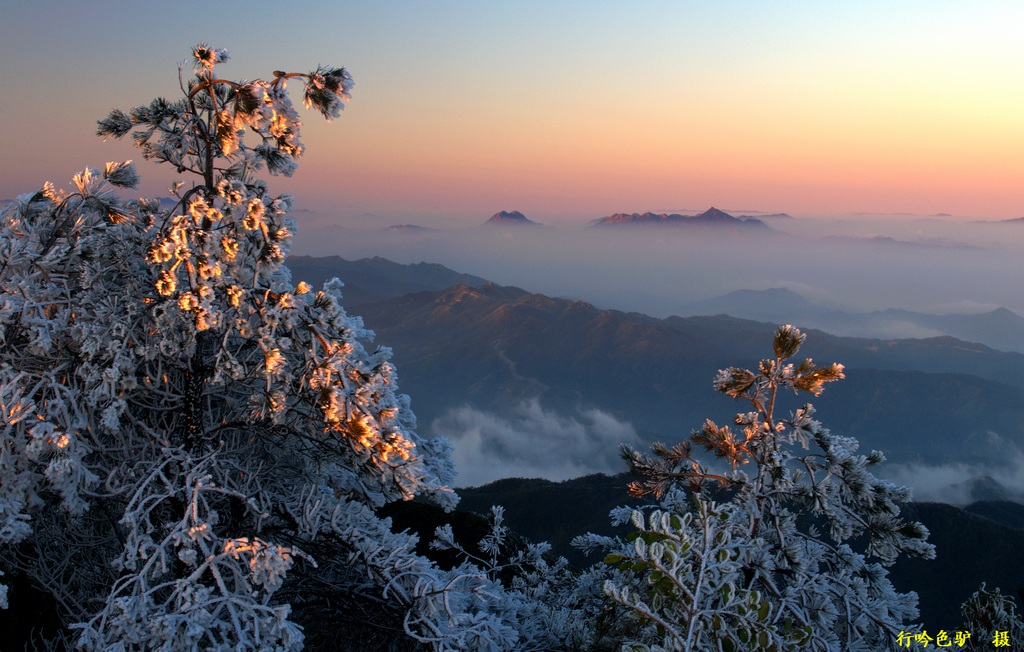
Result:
x=771 y=566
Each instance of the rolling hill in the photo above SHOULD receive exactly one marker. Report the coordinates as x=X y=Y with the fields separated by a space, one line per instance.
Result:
x=375 y=279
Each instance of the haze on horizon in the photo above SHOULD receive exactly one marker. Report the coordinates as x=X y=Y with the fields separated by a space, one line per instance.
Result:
x=931 y=265
x=567 y=110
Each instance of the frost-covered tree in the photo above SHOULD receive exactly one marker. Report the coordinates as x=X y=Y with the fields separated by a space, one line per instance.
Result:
x=193 y=446
x=762 y=554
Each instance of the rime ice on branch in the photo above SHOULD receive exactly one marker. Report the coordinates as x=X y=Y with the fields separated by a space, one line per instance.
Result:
x=203 y=133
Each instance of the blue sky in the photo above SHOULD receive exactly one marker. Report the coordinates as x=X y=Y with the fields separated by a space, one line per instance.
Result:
x=565 y=110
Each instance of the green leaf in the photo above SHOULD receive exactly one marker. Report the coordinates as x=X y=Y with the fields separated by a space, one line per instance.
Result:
x=727 y=592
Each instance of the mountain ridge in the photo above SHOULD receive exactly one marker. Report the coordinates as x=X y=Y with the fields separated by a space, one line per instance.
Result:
x=999 y=328
x=712 y=218
x=376 y=278
x=495 y=347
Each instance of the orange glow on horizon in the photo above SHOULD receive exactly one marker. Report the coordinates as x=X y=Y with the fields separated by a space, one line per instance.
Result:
x=801 y=108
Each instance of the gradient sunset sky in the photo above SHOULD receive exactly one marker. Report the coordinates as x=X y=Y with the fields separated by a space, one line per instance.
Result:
x=566 y=111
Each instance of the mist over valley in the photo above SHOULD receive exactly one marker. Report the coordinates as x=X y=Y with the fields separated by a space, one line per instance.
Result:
x=526 y=384
x=858 y=265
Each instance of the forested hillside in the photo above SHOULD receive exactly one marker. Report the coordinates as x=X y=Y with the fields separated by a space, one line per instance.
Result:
x=935 y=400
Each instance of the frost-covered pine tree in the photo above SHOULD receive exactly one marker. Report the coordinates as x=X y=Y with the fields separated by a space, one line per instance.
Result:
x=760 y=555
x=193 y=445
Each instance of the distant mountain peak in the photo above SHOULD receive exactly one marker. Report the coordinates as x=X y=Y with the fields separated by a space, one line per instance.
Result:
x=765 y=216
x=714 y=214
x=1004 y=312
x=766 y=305
x=504 y=218
x=711 y=218
x=408 y=228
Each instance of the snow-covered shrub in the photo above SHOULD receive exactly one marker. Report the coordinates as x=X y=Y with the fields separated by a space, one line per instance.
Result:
x=556 y=608
x=772 y=565
x=192 y=445
x=992 y=621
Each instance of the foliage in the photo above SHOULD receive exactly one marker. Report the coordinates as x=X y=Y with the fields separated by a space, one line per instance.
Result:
x=755 y=571
x=188 y=434
x=989 y=615
x=556 y=609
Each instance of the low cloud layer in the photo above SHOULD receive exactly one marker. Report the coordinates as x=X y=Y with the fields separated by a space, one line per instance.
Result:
x=999 y=478
x=533 y=442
